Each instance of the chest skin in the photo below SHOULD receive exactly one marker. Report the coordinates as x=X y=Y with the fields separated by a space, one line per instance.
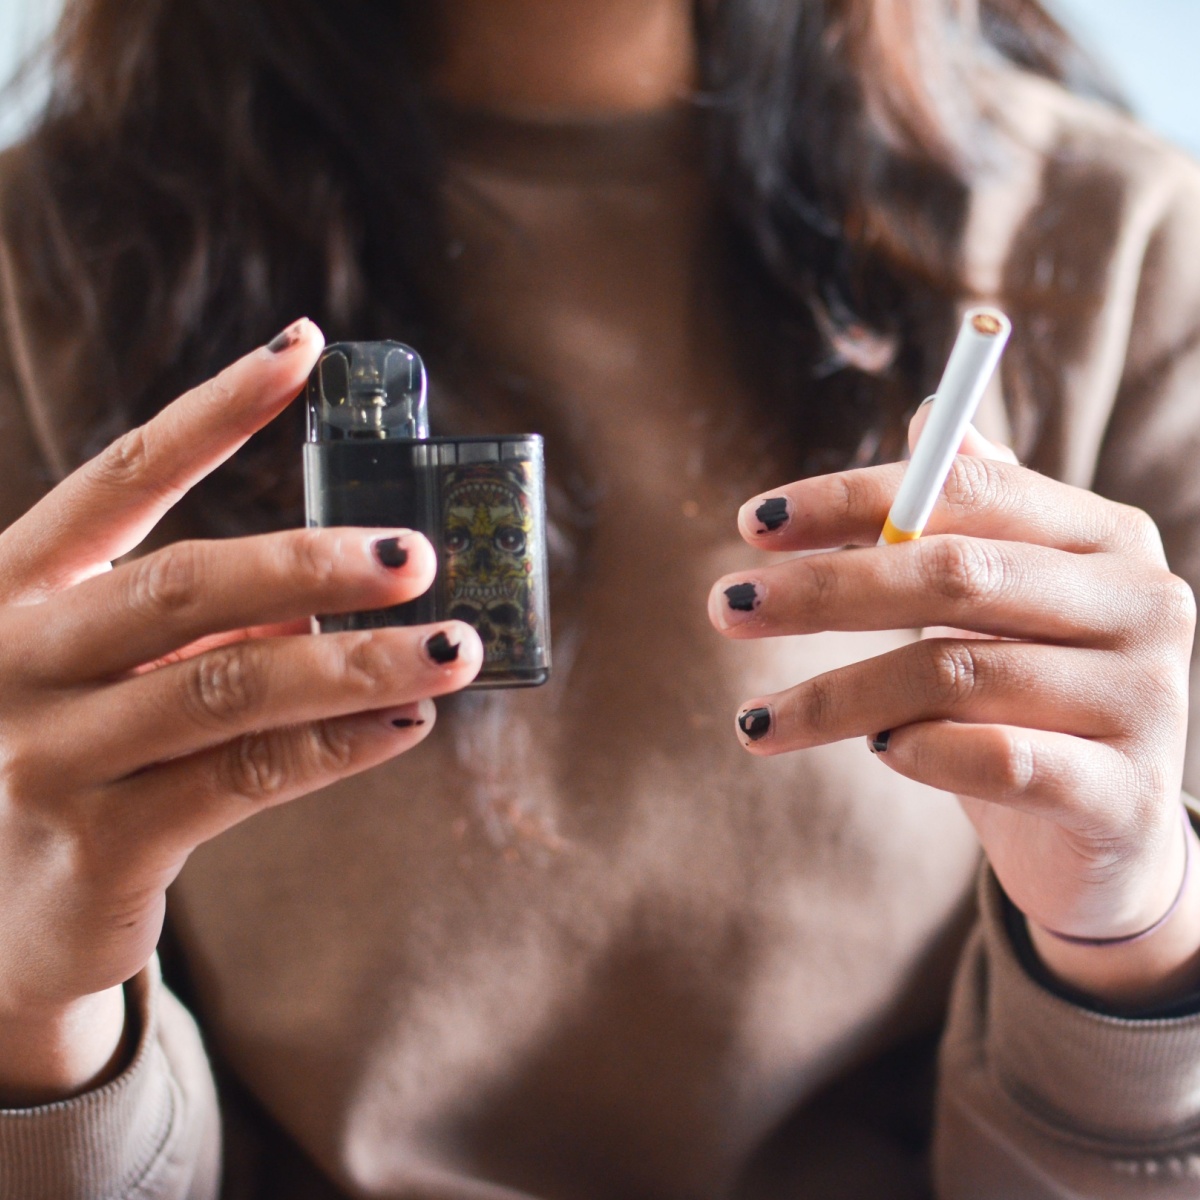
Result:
x=579 y=943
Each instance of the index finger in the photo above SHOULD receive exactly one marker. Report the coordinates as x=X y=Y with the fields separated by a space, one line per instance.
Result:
x=981 y=498
x=108 y=506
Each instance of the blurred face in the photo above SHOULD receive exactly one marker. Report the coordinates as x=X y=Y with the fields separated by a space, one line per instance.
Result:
x=566 y=55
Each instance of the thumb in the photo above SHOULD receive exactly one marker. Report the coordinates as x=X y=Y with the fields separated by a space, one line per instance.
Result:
x=974 y=443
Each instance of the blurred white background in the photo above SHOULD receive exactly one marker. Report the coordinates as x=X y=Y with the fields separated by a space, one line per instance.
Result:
x=1149 y=45
x=24 y=26
x=1150 y=48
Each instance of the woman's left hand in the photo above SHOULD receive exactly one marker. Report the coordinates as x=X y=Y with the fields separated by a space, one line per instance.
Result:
x=1058 y=714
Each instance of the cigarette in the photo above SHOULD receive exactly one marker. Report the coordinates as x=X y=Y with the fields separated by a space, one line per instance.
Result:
x=973 y=362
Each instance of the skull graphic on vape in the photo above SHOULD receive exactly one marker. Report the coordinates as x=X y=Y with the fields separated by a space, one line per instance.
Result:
x=487 y=530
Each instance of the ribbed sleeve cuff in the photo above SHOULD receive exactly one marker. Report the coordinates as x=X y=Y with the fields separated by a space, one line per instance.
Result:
x=102 y=1144
x=1131 y=1082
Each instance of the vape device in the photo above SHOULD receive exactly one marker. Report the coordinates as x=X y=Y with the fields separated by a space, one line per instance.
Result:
x=369 y=460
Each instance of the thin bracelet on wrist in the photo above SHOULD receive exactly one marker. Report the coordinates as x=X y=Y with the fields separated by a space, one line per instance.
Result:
x=1129 y=938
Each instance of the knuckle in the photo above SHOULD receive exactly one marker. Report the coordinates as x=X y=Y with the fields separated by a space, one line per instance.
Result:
x=368 y=664
x=1156 y=687
x=1014 y=769
x=330 y=748
x=220 y=392
x=23 y=775
x=962 y=569
x=817 y=705
x=821 y=579
x=126 y=461
x=1159 y=612
x=1150 y=780
x=166 y=581
x=974 y=483
x=256 y=768
x=1175 y=602
x=222 y=685
x=948 y=673
x=845 y=495
x=311 y=561
x=1138 y=529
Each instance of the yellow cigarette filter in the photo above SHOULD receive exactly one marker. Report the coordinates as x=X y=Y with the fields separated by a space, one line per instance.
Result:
x=891 y=534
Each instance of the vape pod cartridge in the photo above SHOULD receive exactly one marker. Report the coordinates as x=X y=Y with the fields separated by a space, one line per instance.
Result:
x=369 y=460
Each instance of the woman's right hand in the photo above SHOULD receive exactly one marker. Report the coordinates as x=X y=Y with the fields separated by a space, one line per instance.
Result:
x=147 y=708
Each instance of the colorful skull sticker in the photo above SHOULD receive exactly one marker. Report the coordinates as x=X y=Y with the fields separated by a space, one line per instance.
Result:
x=488 y=531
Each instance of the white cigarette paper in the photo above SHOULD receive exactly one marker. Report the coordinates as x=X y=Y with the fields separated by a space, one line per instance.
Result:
x=973 y=362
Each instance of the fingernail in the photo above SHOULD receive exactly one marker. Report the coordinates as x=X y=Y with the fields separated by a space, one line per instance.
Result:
x=408 y=716
x=391 y=553
x=773 y=514
x=755 y=723
x=286 y=338
x=927 y=401
x=441 y=649
x=742 y=600
x=879 y=743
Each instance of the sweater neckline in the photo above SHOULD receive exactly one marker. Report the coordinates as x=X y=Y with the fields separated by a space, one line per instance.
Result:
x=636 y=147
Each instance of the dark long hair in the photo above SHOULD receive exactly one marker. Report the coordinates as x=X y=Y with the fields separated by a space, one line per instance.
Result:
x=205 y=171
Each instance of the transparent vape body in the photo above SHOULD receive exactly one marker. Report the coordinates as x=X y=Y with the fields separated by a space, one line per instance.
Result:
x=369 y=461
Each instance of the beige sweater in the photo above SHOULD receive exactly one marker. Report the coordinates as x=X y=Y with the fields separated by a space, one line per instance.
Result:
x=579 y=944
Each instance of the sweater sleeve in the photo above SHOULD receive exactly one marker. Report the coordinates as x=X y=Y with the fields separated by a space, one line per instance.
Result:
x=153 y=1133
x=1039 y=1097
x=1045 y=1100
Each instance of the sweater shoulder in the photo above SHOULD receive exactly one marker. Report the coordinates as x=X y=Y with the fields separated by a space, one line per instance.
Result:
x=1078 y=176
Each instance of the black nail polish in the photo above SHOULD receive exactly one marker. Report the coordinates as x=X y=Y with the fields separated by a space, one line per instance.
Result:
x=406 y=723
x=742 y=597
x=772 y=514
x=879 y=743
x=755 y=723
x=442 y=650
x=284 y=340
x=391 y=553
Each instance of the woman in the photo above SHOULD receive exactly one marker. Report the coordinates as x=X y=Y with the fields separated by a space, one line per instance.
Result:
x=577 y=942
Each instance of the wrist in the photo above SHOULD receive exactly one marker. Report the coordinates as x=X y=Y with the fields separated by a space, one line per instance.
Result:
x=1139 y=970
x=46 y=1056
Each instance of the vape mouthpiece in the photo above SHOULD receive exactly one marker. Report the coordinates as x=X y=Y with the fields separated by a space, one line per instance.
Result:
x=368 y=390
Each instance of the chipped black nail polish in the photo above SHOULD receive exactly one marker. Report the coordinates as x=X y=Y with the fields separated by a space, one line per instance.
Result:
x=879 y=743
x=284 y=340
x=391 y=553
x=406 y=723
x=755 y=723
x=742 y=597
x=772 y=514
x=442 y=650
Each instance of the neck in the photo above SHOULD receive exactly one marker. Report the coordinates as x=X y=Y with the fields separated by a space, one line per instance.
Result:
x=554 y=58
